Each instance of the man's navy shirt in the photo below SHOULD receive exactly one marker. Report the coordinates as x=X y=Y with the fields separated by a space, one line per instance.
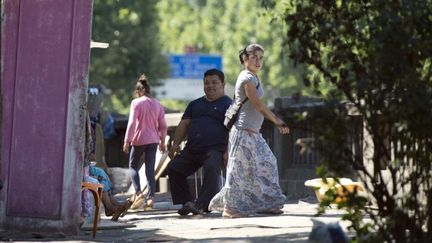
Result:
x=206 y=130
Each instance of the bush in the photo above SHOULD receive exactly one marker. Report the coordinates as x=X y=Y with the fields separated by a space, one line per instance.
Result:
x=376 y=56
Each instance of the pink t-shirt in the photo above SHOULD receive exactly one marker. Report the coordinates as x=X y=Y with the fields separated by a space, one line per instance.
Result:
x=146 y=123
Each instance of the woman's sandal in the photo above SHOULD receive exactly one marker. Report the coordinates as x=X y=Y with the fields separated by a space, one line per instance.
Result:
x=230 y=214
x=150 y=202
x=138 y=201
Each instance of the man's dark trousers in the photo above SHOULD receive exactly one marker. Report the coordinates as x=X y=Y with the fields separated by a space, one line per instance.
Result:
x=184 y=165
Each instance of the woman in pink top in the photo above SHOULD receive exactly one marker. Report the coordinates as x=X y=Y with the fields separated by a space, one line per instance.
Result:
x=146 y=130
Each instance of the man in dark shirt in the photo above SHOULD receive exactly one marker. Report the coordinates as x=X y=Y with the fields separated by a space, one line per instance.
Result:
x=206 y=146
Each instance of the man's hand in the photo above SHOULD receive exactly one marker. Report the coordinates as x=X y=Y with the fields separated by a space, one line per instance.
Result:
x=174 y=150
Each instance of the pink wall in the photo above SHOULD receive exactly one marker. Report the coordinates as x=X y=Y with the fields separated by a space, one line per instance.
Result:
x=45 y=56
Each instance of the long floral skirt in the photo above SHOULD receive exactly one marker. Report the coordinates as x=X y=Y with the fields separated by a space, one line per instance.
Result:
x=252 y=180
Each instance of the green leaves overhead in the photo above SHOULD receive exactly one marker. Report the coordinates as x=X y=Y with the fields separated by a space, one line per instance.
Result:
x=377 y=56
x=141 y=33
x=225 y=27
x=132 y=30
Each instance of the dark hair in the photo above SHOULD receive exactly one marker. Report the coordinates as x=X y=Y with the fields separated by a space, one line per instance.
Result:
x=250 y=49
x=217 y=72
x=142 y=85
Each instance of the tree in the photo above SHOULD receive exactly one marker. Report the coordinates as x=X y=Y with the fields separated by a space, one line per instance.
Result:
x=131 y=28
x=225 y=27
x=377 y=55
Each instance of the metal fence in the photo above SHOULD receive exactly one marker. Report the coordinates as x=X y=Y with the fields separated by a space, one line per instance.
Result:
x=295 y=163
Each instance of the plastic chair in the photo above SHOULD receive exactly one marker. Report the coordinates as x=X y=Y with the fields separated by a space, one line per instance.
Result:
x=320 y=187
x=96 y=190
x=200 y=173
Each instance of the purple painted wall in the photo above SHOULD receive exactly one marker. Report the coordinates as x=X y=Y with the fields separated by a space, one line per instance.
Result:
x=45 y=57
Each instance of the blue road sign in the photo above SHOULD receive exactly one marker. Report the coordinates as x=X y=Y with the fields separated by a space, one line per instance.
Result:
x=193 y=66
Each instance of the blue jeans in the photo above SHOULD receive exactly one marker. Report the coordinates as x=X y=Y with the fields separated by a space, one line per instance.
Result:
x=135 y=163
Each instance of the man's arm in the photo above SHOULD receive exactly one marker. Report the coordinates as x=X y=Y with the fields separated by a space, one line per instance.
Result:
x=179 y=136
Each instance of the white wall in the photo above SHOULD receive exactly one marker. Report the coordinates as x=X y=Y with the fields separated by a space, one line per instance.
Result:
x=184 y=89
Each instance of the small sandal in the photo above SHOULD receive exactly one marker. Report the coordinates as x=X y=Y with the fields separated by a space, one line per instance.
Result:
x=231 y=214
x=150 y=202
x=138 y=201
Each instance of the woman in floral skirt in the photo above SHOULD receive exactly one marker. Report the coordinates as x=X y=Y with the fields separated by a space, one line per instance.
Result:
x=252 y=184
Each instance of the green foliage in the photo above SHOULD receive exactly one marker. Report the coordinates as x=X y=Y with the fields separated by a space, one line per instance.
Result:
x=140 y=33
x=376 y=55
x=225 y=27
x=131 y=29
x=174 y=105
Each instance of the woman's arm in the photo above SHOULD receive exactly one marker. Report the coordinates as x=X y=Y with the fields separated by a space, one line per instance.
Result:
x=133 y=117
x=251 y=93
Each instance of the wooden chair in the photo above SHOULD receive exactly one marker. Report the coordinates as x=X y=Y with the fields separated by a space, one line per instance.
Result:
x=96 y=190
